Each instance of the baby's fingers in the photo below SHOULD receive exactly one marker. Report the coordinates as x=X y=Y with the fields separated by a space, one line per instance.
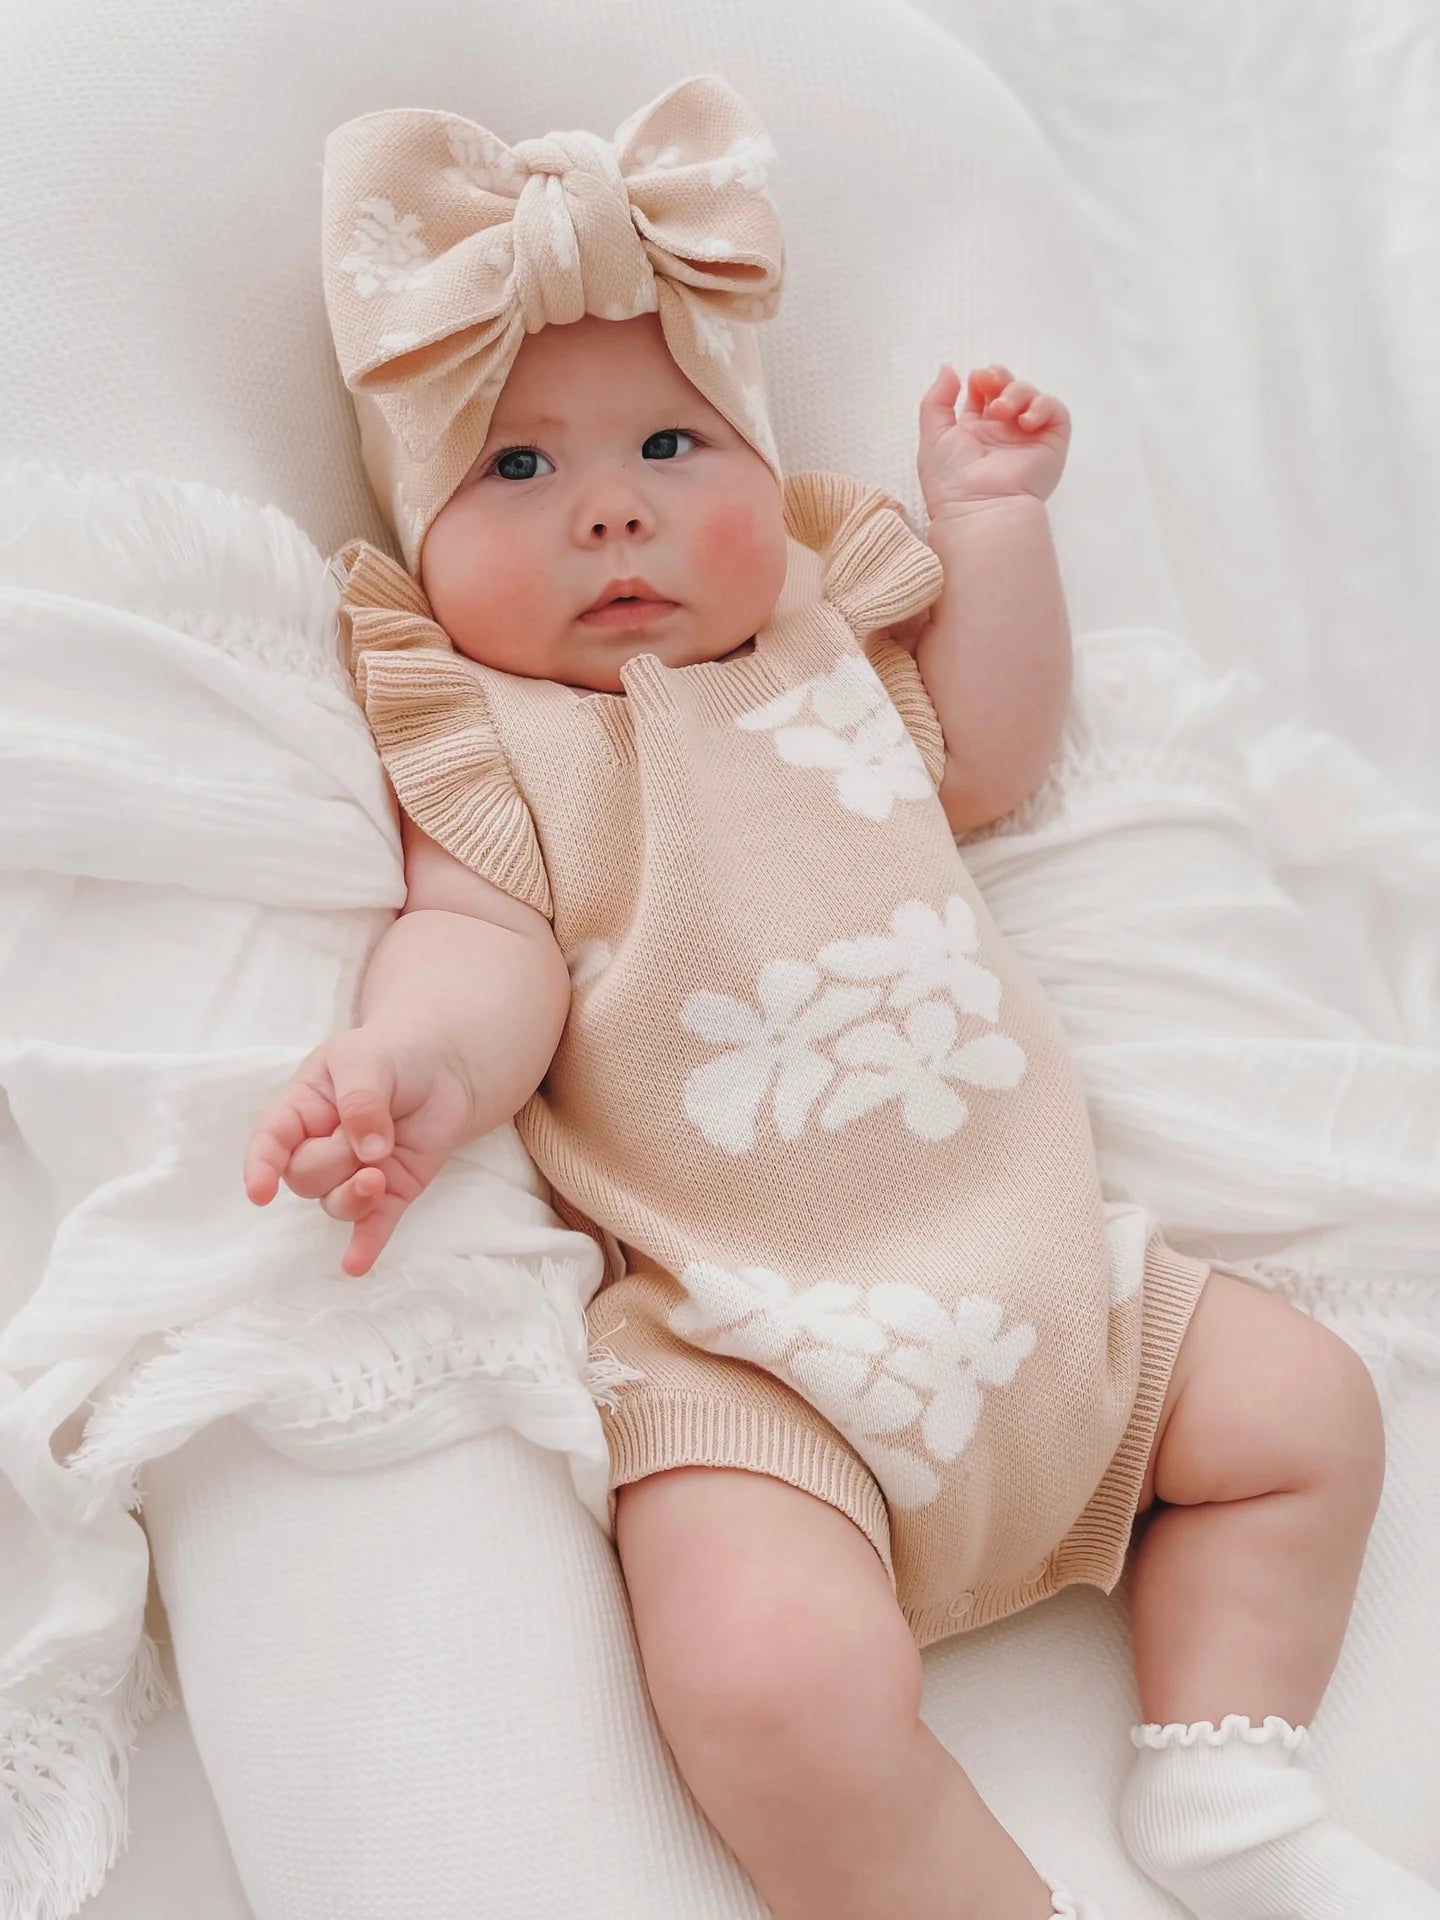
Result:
x=937 y=406
x=318 y=1166
x=371 y=1233
x=1047 y=413
x=983 y=384
x=1013 y=401
x=354 y=1198
x=300 y=1112
x=363 y=1076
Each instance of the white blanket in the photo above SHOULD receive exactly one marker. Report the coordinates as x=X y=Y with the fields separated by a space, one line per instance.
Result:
x=197 y=851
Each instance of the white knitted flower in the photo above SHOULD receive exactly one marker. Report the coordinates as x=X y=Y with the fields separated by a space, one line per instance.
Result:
x=915 y=1067
x=773 y=1045
x=1127 y=1236
x=756 y=1316
x=388 y=252
x=953 y=1356
x=876 y=1364
x=823 y=1343
x=876 y=766
x=839 y=699
x=861 y=738
x=587 y=962
x=922 y=954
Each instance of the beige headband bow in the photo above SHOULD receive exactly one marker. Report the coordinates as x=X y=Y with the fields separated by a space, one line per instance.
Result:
x=443 y=248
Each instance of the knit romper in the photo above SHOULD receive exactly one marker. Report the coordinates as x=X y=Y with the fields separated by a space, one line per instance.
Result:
x=819 y=1114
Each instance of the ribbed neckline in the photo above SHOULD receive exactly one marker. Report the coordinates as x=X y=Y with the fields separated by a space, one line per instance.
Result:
x=647 y=667
x=721 y=690
x=724 y=686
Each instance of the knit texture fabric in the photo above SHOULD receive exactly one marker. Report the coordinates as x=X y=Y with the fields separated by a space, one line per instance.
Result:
x=820 y=1114
x=443 y=247
x=1229 y=1821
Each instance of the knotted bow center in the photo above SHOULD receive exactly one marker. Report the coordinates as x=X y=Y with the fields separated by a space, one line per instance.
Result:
x=573 y=186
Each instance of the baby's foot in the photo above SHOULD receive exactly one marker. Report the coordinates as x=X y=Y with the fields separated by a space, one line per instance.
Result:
x=1067 y=1906
x=1229 y=1822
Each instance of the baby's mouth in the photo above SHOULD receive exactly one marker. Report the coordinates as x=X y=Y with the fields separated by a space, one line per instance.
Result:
x=630 y=612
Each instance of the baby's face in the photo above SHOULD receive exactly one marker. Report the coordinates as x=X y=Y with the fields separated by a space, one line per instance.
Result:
x=618 y=469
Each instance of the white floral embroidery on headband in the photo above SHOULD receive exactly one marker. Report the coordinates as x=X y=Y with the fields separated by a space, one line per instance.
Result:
x=408 y=521
x=715 y=338
x=389 y=253
x=750 y=159
x=671 y=156
x=481 y=161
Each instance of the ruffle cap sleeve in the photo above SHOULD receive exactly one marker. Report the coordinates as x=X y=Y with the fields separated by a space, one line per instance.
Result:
x=433 y=726
x=879 y=575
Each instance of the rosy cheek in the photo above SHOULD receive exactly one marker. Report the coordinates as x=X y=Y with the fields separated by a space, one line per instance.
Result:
x=493 y=581
x=726 y=544
x=517 y=586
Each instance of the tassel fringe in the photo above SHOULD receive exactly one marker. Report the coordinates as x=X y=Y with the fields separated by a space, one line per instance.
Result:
x=64 y=1779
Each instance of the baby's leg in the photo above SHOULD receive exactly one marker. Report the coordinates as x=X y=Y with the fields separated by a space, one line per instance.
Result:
x=1269 y=1466
x=1269 y=1463
x=788 y=1686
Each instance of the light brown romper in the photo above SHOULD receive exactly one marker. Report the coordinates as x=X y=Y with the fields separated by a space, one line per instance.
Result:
x=819 y=1113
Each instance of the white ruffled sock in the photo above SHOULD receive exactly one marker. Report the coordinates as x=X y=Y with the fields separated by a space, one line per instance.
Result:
x=1068 y=1907
x=1230 y=1823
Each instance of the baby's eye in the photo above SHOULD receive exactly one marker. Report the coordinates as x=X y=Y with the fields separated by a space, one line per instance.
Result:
x=668 y=434
x=501 y=466
x=500 y=461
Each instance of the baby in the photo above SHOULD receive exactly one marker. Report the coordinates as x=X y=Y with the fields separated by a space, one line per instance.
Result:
x=682 y=745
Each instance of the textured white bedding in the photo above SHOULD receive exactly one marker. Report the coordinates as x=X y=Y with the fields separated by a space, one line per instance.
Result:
x=1277 y=1007
x=1257 y=188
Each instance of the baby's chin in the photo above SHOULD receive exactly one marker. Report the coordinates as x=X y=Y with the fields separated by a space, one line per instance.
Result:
x=599 y=670
x=592 y=661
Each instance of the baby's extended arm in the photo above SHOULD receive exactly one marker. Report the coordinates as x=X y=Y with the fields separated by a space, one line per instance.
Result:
x=995 y=651
x=461 y=1009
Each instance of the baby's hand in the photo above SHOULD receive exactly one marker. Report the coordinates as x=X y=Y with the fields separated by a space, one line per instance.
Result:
x=1010 y=439
x=363 y=1127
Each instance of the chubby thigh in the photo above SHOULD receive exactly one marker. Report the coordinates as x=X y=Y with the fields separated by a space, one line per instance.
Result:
x=750 y=1594
x=1262 y=1396
x=787 y=1682
x=768 y=1629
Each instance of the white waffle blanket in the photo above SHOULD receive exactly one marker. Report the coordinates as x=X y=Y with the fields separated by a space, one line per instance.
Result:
x=196 y=852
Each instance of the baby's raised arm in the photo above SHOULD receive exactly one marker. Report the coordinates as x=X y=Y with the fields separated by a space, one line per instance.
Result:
x=461 y=1011
x=995 y=652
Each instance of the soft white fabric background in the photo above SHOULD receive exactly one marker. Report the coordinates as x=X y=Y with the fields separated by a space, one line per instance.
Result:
x=1257 y=188
x=153 y=320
